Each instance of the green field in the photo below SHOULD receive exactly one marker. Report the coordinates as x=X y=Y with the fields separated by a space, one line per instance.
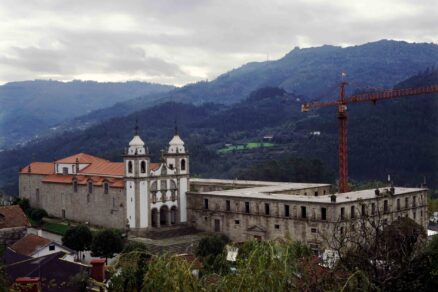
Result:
x=58 y=228
x=243 y=147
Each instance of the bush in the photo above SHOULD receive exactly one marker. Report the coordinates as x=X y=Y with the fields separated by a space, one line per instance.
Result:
x=134 y=246
x=24 y=204
x=106 y=243
x=78 y=238
x=37 y=214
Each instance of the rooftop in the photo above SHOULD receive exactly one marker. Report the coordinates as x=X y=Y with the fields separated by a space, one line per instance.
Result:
x=273 y=191
x=29 y=244
x=12 y=216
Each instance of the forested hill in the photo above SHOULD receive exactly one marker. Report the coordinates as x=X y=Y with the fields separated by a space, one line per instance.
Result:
x=310 y=72
x=397 y=137
x=30 y=107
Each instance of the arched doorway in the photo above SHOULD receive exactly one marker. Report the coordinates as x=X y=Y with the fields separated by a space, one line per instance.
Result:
x=164 y=215
x=154 y=217
x=173 y=215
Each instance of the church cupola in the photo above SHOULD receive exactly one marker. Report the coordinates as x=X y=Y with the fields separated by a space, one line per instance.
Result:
x=136 y=145
x=176 y=145
x=136 y=157
x=177 y=157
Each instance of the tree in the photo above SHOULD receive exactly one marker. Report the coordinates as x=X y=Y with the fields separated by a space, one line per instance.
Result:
x=23 y=203
x=78 y=238
x=133 y=263
x=106 y=243
x=386 y=257
x=211 y=251
x=38 y=214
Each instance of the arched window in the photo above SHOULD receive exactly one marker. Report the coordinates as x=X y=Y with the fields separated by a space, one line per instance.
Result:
x=75 y=186
x=143 y=167
x=90 y=187
x=129 y=166
x=183 y=164
x=105 y=188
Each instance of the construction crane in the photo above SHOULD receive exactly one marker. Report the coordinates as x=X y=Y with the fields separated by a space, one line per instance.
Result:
x=342 y=103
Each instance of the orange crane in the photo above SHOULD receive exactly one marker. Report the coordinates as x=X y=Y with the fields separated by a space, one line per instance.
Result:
x=342 y=103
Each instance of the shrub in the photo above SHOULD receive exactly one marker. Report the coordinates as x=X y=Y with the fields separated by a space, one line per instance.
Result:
x=38 y=214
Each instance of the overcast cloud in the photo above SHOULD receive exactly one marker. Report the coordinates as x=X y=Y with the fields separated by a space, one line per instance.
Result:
x=177 y=42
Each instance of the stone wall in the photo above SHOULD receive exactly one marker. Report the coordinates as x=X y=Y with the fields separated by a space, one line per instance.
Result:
x=10 y=235
x=59 y=200
x=240 y=225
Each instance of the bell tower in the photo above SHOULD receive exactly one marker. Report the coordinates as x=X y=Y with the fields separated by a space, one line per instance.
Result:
x=177 y=159
x=137 y=164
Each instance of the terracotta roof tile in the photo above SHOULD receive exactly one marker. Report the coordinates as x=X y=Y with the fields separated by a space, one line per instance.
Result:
x=81 y=157
x=105 y=168
x=39 y=168
x=154 y=166
x=30 y=244
x=83 y=180
x=12 y=216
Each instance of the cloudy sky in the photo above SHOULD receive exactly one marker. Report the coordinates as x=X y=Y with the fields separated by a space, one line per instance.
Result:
x=177 y=42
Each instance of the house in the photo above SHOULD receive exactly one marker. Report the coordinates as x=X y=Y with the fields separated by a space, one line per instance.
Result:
x=50 y=272
x=36 y=246
x=13 y=224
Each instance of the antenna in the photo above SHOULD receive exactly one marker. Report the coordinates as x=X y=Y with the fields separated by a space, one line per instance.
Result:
x=176 y=127
x=136 y=126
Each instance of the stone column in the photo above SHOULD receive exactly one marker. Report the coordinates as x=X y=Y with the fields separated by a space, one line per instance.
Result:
x=158 y=219
x=169 y=217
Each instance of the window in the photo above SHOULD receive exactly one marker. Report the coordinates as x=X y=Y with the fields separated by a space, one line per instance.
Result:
x=316 y=193
x=246 y=207
x=341 y=230
x=323 y=214
x=237 y=222
x=65 y=170
x=51 y=247
x=171 y=166
x=286 y=211
x=63 y=213
x=277 y=226
x=364 y=210
x=406 y=202
x=266 y=209
x=88 y=198
x=385 y=206
x=105 y=188
x=173 y=195
x=342 y=213
x=352 y=210
x=414 y=201
x=303 y=212
x=75 y=186
x=90 y=187
x=143 y=167
x=183 y=164
x=313 y=230
x=114 y=202
x=37 y=194
x=228 y=205
x=154 y=197
x=129 y=166
x=373 y=208
x=398 y=204
x=206 y=204
x=163 y=184
x=415 y=215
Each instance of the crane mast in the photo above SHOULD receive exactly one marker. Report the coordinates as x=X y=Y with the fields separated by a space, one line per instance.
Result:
x=342 y=103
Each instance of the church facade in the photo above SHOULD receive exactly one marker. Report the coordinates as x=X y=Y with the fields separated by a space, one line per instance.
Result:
x=135 y=194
